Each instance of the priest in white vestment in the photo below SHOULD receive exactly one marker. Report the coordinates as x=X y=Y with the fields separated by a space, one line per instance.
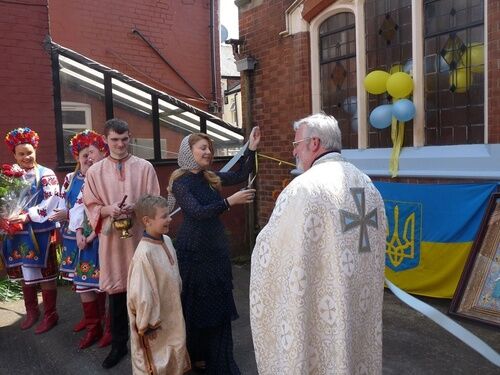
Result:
x=317 y=277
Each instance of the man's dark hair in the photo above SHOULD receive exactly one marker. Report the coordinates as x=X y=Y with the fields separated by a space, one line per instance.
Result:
x=116 y=125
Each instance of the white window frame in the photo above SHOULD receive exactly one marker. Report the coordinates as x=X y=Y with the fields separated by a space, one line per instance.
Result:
x=458 y=161
x=78 y=107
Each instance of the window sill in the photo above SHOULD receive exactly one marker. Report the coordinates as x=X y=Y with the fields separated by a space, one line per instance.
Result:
x=462 y=161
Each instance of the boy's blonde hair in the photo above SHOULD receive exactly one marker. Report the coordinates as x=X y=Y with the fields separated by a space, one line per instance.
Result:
x=147 y=205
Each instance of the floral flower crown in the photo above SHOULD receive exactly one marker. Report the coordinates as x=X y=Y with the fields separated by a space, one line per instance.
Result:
x=86 y=138
x=21 y=136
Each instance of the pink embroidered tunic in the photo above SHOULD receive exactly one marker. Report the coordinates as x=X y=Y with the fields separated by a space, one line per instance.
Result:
x=107 y=182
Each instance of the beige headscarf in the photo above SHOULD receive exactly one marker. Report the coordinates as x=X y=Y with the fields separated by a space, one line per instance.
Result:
x=186 y=162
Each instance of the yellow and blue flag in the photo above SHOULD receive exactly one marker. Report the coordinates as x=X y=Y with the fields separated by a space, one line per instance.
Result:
x=431 y=229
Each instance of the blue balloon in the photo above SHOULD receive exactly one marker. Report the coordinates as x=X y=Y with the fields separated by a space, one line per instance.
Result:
x=403 y=110
x=381 y=116
x=408 y=67
x=354 y=123
x=350 y=105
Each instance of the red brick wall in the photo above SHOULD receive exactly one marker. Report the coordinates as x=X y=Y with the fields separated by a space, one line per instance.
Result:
x=280 y=87
x=494 y=71
x=26 y=76
x=281 y=91
x=102 y=31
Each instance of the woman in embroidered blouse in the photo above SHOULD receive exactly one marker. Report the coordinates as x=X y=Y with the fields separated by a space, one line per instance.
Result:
x=202 y=249
x=30 y=254
x=80 y=258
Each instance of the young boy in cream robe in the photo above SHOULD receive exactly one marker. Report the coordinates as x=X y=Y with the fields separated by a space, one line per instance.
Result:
x=158 y=335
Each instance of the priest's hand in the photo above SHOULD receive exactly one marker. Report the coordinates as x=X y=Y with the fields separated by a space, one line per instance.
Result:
x=242 y=197
x=254 y=139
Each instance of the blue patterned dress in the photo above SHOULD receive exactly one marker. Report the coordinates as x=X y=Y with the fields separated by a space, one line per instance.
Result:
x=205 y=267
x=85 y=269
x=30 y=254
x=72 y=186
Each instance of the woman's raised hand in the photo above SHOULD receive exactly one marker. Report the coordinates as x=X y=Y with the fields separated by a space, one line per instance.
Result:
x=254 y=138
x=242 y=197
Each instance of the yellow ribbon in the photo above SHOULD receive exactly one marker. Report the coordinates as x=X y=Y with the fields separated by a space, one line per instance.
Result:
x=275 y=159
x=397 y=136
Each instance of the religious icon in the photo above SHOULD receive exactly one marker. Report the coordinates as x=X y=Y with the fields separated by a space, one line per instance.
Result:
x=477 y=296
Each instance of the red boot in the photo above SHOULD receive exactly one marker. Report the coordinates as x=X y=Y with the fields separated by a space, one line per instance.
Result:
x=93 y=323
x=106 y=338
x=31 y=304
x=80 y=326
x=101 y=304
x=50 y=316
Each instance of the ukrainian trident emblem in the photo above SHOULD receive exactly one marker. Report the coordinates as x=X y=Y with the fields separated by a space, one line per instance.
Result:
x=403 y=235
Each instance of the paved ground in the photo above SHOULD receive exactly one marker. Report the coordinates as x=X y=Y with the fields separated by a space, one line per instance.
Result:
x=412 y=343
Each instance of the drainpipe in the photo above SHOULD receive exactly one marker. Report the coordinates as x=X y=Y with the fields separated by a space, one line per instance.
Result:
x=215 y=103
x=246 y=66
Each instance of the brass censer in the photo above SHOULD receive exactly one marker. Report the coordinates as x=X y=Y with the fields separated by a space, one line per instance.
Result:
x=123 y=224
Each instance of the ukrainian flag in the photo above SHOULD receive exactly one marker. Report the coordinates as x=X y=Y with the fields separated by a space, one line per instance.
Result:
x=430 y=232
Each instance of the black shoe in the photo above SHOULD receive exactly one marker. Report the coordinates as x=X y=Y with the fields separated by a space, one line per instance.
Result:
x=115 y=356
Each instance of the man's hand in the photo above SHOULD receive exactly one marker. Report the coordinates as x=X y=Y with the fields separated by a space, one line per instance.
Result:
x=127 y=209
x=112 y=210
x=115 y=211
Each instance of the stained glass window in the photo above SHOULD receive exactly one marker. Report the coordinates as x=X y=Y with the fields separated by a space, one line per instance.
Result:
x=454 y=71
x=338 y=74
x=388 y=48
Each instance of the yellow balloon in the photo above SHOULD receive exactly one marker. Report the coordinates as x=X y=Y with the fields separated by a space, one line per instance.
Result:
x=396 y=68
x=375 y=82
x=460 y=80
x=474 y=57
x=399 y=85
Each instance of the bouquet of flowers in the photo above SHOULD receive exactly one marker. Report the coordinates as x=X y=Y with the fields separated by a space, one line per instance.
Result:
x=14 y=197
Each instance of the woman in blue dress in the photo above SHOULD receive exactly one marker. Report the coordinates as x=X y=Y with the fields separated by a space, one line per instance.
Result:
x=203 y=251
x=30 y=254
x=80 y=258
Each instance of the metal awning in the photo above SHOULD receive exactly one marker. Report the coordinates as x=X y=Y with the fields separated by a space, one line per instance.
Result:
x=136 y=96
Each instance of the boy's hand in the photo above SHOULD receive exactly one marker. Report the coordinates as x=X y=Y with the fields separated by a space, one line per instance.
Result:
x=152 y=333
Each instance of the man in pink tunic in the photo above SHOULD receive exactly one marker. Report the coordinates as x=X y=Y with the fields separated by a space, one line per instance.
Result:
x=108 y=182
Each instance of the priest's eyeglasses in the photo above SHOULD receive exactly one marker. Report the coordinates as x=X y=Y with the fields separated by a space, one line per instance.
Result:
x=296 y=143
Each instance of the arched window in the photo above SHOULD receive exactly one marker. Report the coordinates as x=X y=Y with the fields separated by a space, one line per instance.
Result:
x=338 y=74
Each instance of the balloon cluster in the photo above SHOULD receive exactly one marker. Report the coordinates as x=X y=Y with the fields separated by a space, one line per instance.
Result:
x=399 y=85
x=472 y=61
